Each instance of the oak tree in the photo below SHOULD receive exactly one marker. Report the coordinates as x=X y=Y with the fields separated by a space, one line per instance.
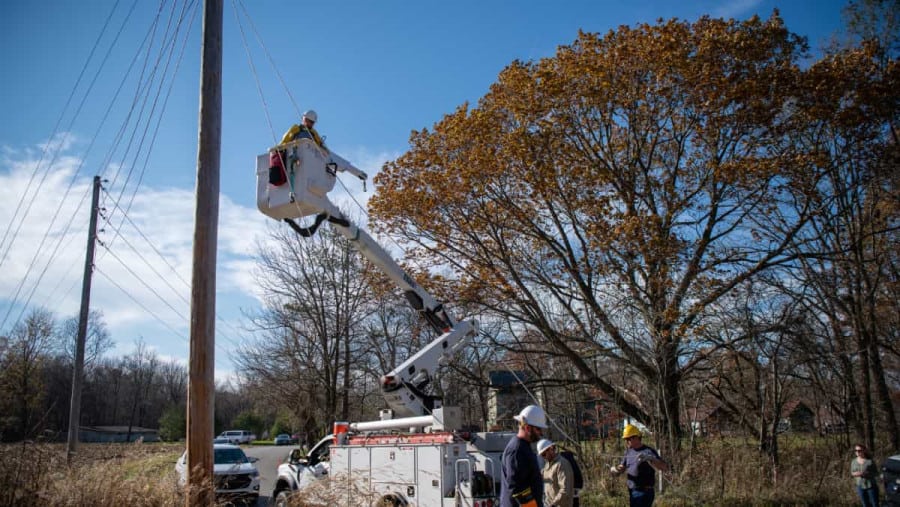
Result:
x=607 y=197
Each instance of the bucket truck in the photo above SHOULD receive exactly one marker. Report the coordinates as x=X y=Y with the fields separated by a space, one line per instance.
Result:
x=415 y=454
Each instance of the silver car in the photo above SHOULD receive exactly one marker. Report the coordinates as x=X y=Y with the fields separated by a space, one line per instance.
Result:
x=234 y=474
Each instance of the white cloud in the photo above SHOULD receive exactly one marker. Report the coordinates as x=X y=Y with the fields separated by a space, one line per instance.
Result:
x=148 y=255
x=348 y=193
x=143 y=266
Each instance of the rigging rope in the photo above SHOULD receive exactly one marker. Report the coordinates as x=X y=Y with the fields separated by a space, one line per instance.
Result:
x=262 y=96
x=271 y=60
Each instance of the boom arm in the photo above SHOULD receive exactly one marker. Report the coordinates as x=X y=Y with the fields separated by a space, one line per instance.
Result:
x=311 y=174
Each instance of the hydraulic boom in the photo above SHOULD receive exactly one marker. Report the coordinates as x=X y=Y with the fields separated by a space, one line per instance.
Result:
x=310 y=175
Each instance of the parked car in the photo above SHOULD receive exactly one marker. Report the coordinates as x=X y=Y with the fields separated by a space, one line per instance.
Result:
x=238 y=437
x=221 y=440
x=283 y=439
x=890 y=471
x=235 y=475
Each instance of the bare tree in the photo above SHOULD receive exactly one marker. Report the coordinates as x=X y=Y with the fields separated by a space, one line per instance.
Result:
x=316 y=300
x=140 y=367
x=173 y=379
x=97 y=341
x=21 y=375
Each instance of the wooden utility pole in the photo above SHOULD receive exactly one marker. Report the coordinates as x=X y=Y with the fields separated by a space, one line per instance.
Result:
x=201 y=391
x=78 y=370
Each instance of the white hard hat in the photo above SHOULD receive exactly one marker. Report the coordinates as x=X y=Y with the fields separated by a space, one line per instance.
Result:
x=543 y=445
x=311 y=115
x=532 y=415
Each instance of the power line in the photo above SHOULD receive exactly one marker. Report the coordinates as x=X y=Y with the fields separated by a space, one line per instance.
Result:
x=268 y=55
x=158 y=319
x=65 y=196
x=53 y=136
x=145 y=284
x=170 y=266
x=262 y=97
x=74 y=177
x=165 y=100
x=171 y=44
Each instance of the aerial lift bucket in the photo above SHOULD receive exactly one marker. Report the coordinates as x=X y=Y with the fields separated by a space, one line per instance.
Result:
x=308 y=178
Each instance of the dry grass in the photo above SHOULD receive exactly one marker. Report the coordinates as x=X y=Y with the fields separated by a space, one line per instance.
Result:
x=730 y=472
x=99 y=475
x=715 y=473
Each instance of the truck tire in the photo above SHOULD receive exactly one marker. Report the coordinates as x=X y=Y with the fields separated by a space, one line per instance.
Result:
x=390 y=501
x=281 y=499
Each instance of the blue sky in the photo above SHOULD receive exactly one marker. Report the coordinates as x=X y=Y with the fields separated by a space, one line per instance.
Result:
x=374 y=71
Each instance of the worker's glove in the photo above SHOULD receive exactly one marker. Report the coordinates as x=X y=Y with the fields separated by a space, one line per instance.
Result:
x=614 y=470
x=644 y=457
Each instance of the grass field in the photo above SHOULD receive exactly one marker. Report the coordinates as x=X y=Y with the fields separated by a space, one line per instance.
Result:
x=100 y=475
x=721 y=472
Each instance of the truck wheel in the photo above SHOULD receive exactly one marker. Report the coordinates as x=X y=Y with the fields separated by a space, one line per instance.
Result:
x=281 y=499
x=390 y=501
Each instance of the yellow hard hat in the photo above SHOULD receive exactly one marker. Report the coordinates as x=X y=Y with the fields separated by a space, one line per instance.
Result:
x=630 y=431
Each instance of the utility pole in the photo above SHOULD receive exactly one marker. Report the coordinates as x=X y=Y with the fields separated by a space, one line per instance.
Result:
x=78 y=370
x=201 y=390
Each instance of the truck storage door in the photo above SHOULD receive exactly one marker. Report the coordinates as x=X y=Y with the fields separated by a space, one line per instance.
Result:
x=431 y=476
x=394 y=471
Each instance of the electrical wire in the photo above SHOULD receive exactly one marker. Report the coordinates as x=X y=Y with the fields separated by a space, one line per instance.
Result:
x=262 y=96
x=145 y=284
x=53 y=136
x=165 y=103
x=145 y=98
x=171 y=42
x=269 y=56
x=172 y=268
x=112 y=149
x=155 y=316
x=40 y=248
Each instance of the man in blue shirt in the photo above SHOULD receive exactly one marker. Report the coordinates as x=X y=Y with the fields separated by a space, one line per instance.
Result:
x=640 y=462
x=521 y=483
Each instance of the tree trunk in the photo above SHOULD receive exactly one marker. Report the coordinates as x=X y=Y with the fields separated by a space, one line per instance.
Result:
x=884 y=398
x=866 y=387
x=668 y=397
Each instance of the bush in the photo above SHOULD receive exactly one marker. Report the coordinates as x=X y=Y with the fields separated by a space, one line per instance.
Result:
x=172 y=424
x=248 y=420
x=282 y=424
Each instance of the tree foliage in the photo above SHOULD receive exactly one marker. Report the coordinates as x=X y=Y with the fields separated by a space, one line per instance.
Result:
x=611 y=196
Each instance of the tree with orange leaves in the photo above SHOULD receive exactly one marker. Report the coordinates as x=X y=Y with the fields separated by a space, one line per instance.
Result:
x=610 y=196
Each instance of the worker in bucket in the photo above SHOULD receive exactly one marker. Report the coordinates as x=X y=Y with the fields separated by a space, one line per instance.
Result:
x=640 y=462
x=559 y=478
x=304 y=130
x=520 y=477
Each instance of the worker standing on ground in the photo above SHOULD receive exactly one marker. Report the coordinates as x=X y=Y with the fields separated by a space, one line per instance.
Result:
x=304 y=130
x=559 y=478
x=520 y=476
x=640 y=462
